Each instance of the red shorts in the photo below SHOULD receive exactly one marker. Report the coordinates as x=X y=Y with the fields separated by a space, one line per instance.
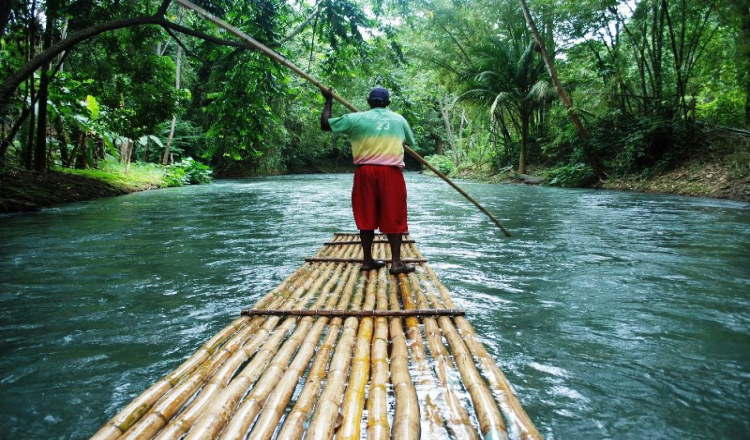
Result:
x=379 y=199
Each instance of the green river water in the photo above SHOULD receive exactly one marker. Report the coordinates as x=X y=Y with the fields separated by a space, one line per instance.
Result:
x=615 y=315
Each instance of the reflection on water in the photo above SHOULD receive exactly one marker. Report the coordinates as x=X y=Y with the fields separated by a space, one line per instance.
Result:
x=615 y=315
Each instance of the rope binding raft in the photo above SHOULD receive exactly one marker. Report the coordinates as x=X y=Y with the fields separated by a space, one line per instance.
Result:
x=355 y=313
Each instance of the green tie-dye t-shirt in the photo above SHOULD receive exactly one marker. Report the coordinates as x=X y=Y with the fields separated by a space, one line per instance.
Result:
x=377 y=136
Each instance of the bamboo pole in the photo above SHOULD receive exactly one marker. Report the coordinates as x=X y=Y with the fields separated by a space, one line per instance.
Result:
x=354 y=398
x=378 y=427
x=406 y=419
x=215 y=418
x=431 y=417
x=488 y=414
x=252 y=404
x=219 y=382
x=519 y=422
x=254 y=44
x=359 y=313
x=323 y=423
x=457 y=418
x=358 y=259
x=295 y=424
x=173 y=401
x=374 y=242
x=134 y=411
x=280 y=398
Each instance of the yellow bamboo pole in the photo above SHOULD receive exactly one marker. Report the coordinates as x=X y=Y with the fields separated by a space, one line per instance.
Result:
x=305 y=333
x=134 y=411
x=254 y=44
x=378 y=427
x=295 y=425
x=354 y=399
x=488 y=414
x=431 y=417
x=326 y=411
x=186 y=419
x=214 y=419
x=175 y=399
x=280 y=398
x=519 y=422
x=406 y=418
x=457 y=418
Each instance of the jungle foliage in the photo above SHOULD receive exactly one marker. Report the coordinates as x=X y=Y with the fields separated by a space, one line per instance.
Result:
x=151 y=82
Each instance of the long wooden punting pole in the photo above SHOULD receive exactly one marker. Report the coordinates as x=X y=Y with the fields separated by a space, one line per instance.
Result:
x=254 y=44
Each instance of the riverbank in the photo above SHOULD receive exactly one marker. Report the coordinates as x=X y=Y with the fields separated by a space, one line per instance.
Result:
x=718 y=175
x=26 y=191
x=720 y=171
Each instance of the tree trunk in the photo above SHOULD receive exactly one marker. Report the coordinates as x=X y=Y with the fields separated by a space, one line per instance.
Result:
x=11 y=83
x=165 y=158
x=28 y=151
x=524 y=138
x=439 y=145
x=744 y=43
x=447 y=121
x=593 y=160
x=40 y=145
x=40 y=153
x=5 y=8
x=63 y=140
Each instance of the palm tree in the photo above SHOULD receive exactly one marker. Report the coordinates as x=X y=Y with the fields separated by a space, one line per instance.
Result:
x=511 y=81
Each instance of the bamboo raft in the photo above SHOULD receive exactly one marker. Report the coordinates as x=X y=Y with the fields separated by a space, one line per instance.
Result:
x=341 y=353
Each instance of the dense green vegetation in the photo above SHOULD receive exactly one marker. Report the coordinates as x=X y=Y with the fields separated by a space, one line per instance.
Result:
x=152 y=82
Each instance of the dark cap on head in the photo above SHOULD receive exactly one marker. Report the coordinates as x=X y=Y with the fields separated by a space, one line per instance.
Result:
x=379 y=94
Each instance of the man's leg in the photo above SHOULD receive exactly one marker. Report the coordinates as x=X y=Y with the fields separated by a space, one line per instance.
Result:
x=397 y=266
x=368 y=263
x=367 y=237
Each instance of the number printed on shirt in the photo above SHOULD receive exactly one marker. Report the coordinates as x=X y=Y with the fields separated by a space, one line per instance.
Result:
x=383 y=125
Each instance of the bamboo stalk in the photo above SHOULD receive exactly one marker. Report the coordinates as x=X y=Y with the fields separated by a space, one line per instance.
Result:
x=354 y=399
x=133 y=412
x=326 y=411
x=378 y=427
x=215 y=418
x=295 y=424
x=251 y=405
x=358 y=260
x=457 y=418
x=519 y=422
x=280 y=397
x=174 y=401
x=359 y=313
x=406 y=418
x=350 y=234
x=488 y=414
x=218 y=383
x=374 y=242
x=431 y=416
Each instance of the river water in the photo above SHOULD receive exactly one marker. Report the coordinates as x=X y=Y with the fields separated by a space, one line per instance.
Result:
x=615 y=315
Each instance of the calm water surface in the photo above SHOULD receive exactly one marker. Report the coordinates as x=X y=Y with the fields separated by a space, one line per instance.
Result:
x=615 y=315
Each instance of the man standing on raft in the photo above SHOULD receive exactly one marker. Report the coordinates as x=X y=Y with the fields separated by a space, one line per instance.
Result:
x=379 y=192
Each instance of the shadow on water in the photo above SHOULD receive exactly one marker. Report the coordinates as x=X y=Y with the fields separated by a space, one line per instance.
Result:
x=615 y=315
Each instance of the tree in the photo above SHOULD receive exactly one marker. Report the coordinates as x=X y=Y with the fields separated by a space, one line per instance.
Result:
x=590 y=154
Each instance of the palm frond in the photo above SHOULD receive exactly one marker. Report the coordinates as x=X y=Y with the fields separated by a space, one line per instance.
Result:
x=542 y=91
